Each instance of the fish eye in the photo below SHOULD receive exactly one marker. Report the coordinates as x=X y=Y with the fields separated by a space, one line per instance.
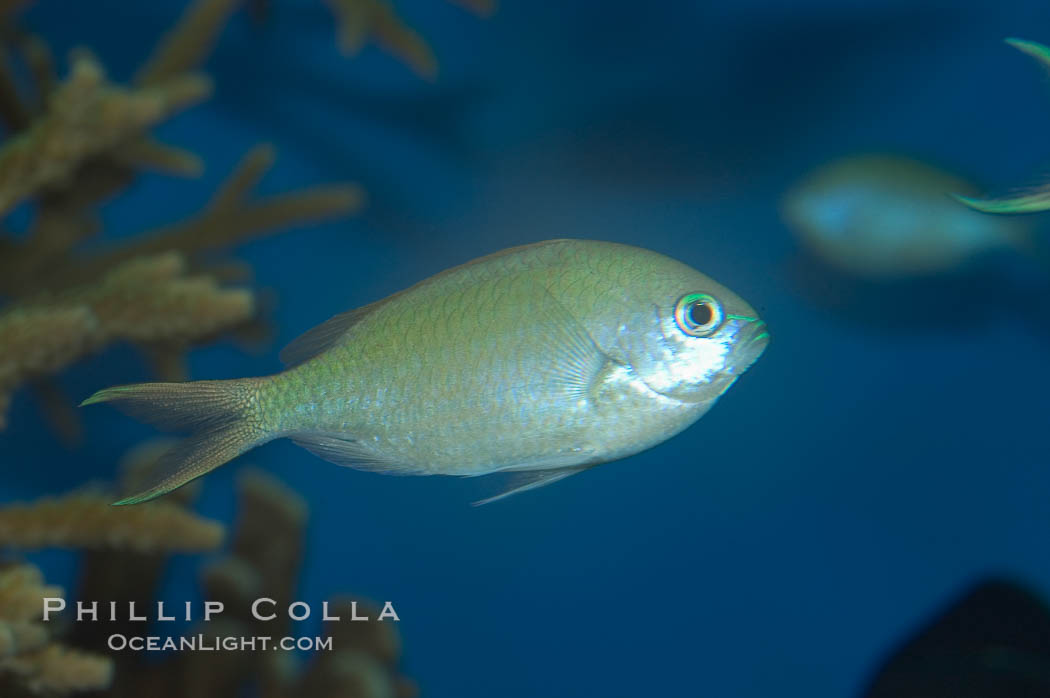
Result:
x=698 y=314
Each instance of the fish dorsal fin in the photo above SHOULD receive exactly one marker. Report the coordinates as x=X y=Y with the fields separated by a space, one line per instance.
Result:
x=324 y=336
x=530 y=480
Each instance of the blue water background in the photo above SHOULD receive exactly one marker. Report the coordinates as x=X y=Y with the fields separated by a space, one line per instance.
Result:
x=856 y=478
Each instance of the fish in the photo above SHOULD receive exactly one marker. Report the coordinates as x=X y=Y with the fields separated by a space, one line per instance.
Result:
x=540 y=361
x=890 y=217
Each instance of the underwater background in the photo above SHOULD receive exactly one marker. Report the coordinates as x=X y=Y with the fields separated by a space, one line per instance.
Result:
x=883 y=455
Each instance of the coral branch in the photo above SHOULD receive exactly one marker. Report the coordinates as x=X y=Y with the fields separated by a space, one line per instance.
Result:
x=87 y=520
x=361 y=20
x=189 y=42
x=42 y=339
x=148 y=154
x=147 y=299
x=26 y=657
x=74 y=143
x=229 y=220
x=56 y=669
x=125 y=554
x=244 y=178
x=151 y=299
x=21 y=590
x=86 y=116
x=227 y=226
x=22 y=636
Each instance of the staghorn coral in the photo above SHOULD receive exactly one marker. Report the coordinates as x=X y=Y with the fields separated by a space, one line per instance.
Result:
x=144 y=299
x=38 y=341
x=362 y=663
x=267 y=547
x=361 y=21
x=70 y=145
x=31 y=663
x=264 y=559
x=188 y=44
x=86 y=116
x=29 y=660
x=21 y=636
x=124 y=560
x=88 y=520
x=21 y=588
x=57 y=670
x=151 y=298
x=77 y=142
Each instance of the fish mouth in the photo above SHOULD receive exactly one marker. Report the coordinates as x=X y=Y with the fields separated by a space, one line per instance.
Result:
x=753 y=341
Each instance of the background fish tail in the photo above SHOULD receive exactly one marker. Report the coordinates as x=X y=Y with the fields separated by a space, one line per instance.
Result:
x=220 y=416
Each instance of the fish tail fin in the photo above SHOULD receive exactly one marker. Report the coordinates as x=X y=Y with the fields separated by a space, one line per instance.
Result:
x=220 y=416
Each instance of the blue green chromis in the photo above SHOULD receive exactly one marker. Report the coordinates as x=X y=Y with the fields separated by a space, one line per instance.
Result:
x=892 y=217
x=541 y=361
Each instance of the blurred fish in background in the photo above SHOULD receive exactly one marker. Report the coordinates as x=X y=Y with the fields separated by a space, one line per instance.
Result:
x=881 y=228
x=892 y=217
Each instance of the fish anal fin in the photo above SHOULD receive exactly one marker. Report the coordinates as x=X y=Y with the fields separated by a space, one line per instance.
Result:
x=350 y=453
x=524 y=481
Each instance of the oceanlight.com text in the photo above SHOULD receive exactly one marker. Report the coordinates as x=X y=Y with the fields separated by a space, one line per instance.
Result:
x=210 y=643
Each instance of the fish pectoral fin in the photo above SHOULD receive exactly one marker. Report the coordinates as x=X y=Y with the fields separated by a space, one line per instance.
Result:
x=351 y=453
x=574 y=360
x=530 y=480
